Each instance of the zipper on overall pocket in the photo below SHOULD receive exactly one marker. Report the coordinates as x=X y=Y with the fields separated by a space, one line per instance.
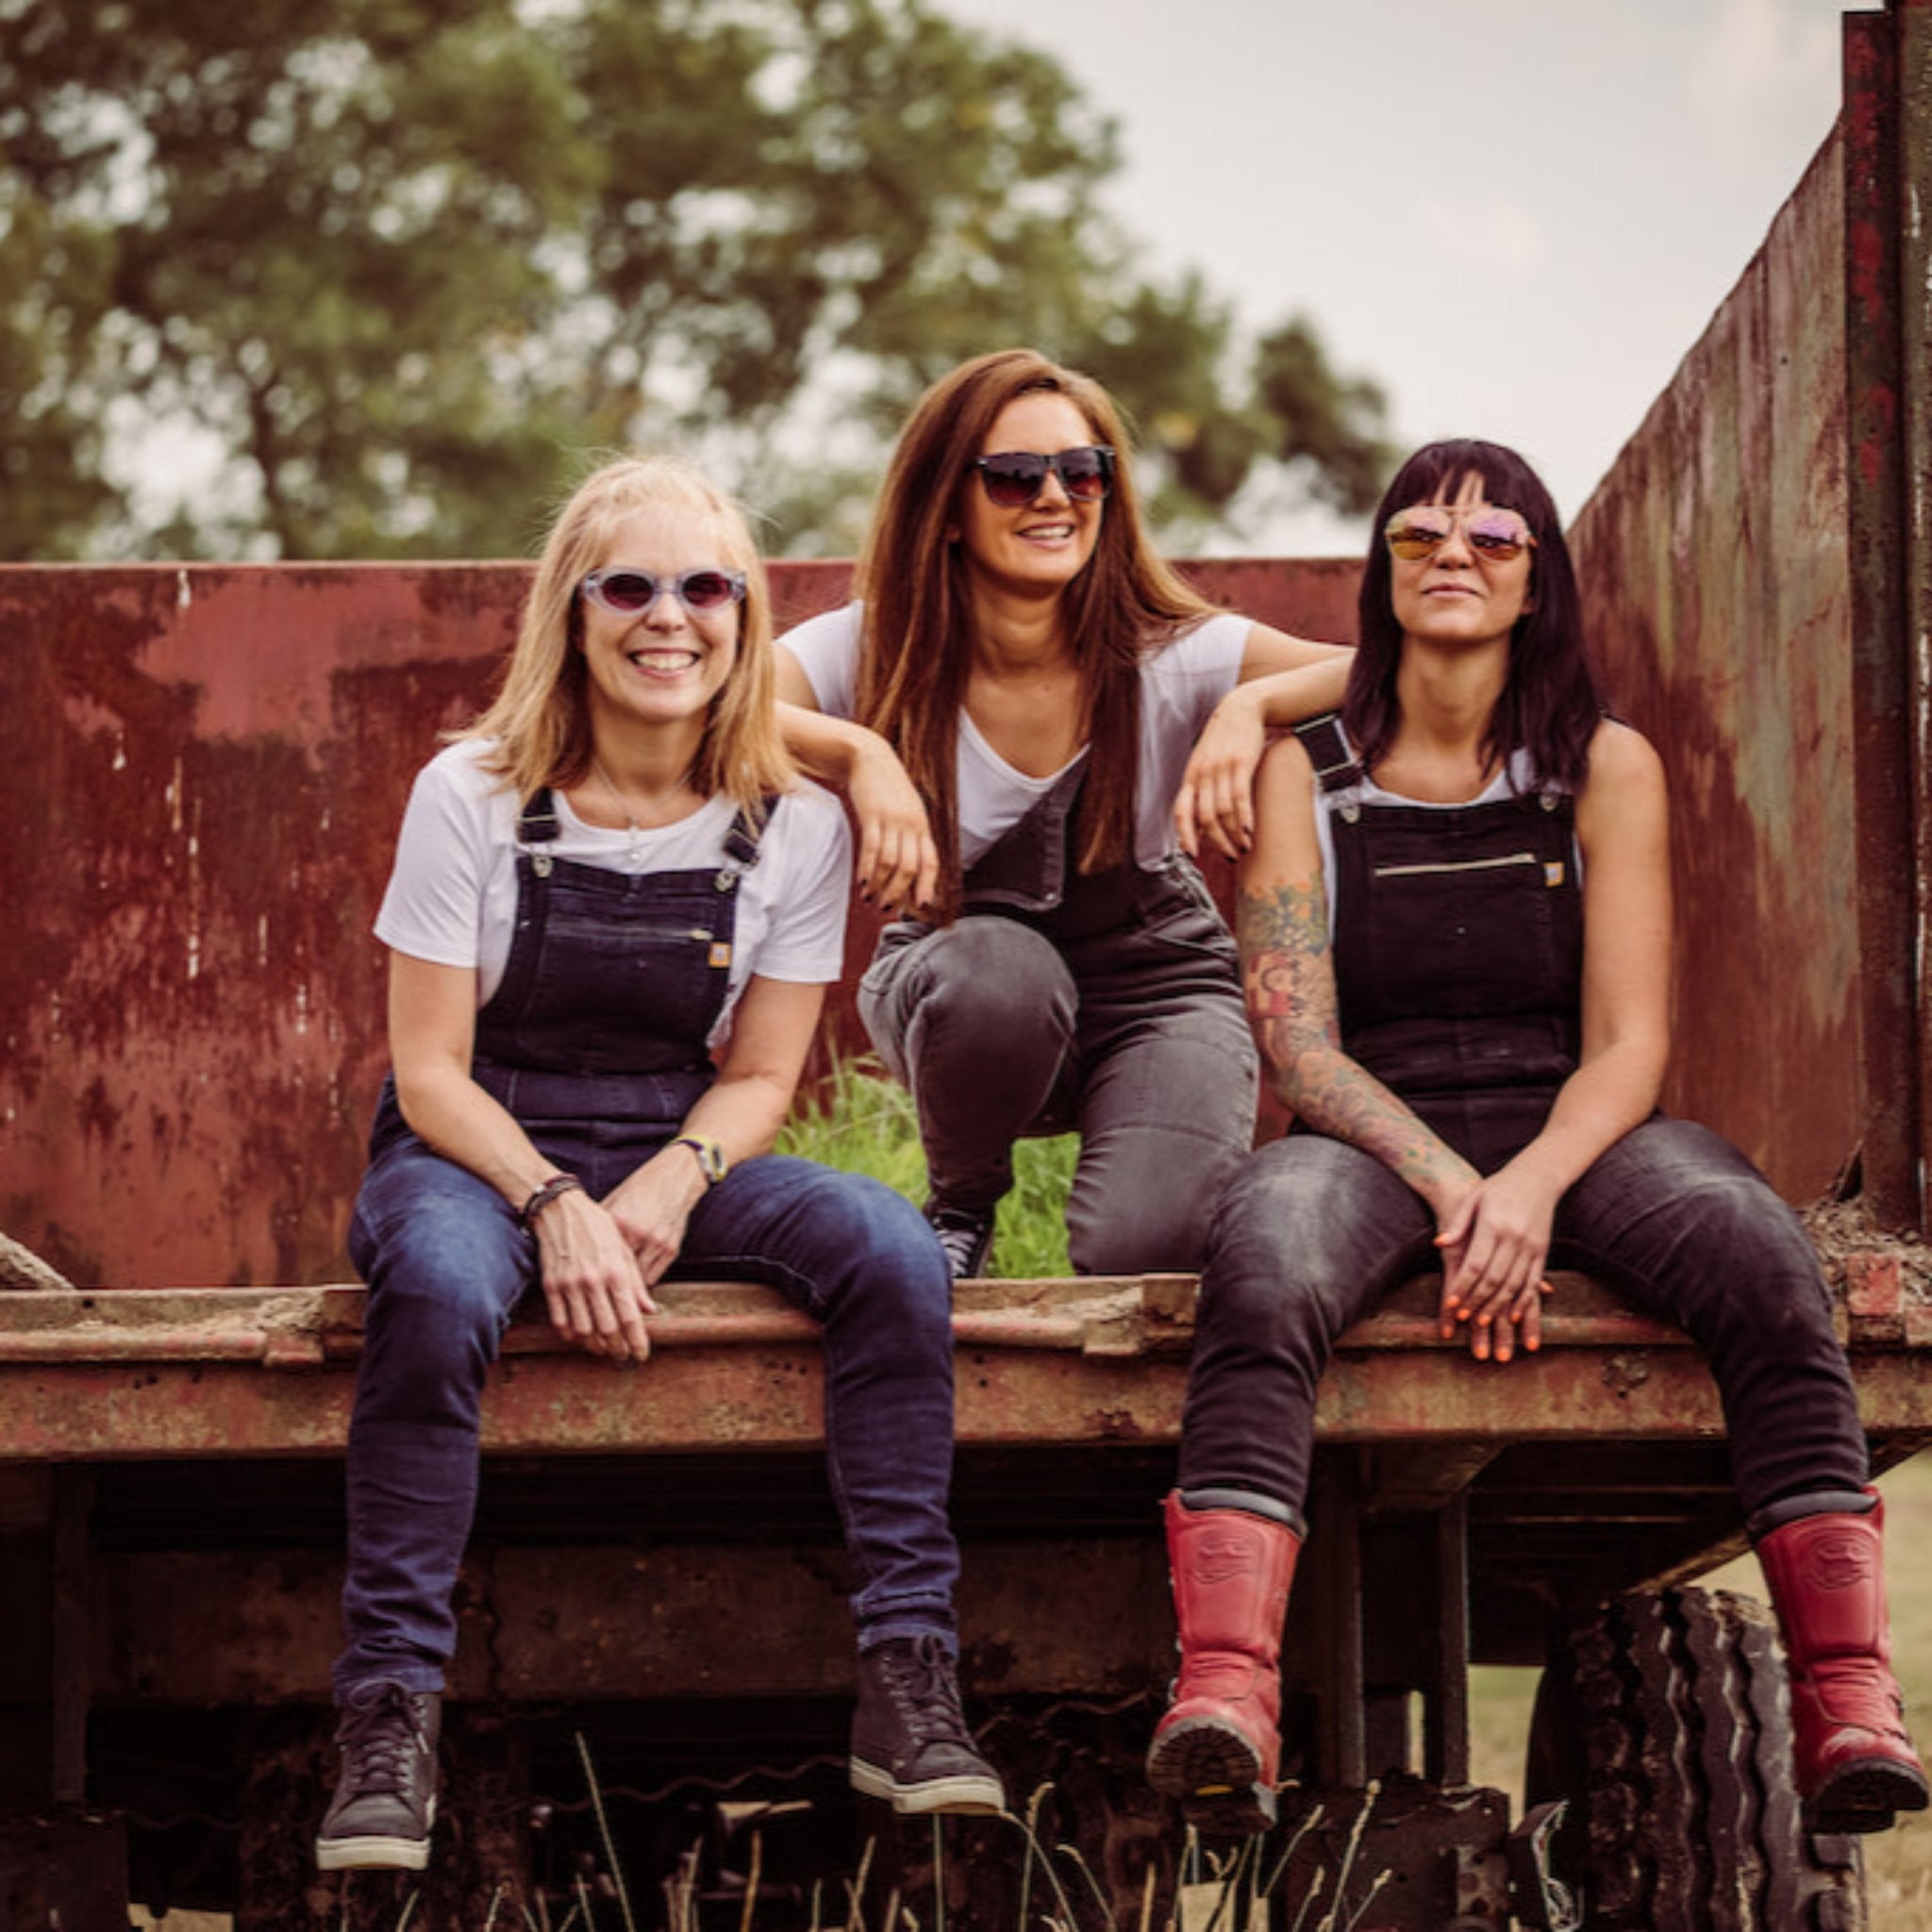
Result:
x=1553 y=868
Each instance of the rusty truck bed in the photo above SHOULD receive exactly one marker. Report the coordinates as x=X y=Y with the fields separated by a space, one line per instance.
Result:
x=103 y=1374
x=1596 y=1465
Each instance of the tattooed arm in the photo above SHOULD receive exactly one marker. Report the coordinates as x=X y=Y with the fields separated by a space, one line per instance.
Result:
x=1289 y=977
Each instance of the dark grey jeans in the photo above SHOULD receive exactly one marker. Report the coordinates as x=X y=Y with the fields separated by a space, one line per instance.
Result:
x=1313 y=1233
x=1137 y=1038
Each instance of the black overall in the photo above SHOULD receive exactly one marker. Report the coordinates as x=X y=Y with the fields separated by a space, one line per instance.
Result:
x=1457 y=953
x=596 y=1037
x=1106 y=1002
x=596 y=1041
x=1458 y=960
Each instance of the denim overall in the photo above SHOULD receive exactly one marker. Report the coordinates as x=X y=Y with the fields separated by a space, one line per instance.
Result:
x=1458 y=964
x=1108 y=1002
x=597 y=1042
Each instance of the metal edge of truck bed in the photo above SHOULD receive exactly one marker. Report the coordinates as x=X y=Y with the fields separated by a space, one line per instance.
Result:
x=100 y=1374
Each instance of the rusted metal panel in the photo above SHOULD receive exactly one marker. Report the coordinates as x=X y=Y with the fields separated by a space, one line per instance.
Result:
x=1713 y=558
x=220 y=757
x=206 y=766
x=1881 y=723
x=1307 y=597
x=181 y=1374
x=1081 y=1618
x=65 y=1867
x=768 y=1399
x=1913 y=147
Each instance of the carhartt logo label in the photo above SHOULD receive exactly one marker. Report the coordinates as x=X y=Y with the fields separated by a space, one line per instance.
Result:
x=1839 y=1562
x=1218 y=1560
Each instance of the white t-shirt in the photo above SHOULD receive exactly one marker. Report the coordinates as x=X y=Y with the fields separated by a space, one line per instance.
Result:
x=452 y=897
x=1180 y=685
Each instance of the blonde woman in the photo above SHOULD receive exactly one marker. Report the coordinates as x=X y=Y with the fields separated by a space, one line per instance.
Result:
x=612 y=916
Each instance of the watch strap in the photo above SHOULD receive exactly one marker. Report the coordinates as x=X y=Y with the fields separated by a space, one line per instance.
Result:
x=711 y=1156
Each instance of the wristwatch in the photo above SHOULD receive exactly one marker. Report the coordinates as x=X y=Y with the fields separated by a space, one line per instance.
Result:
x=711 y=1161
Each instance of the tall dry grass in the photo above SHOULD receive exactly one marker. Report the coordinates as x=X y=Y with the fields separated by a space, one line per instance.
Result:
x=865 y=1124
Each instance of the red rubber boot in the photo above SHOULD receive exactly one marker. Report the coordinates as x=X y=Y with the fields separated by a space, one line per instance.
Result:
x=1217 y=1748
x=1855 y=1765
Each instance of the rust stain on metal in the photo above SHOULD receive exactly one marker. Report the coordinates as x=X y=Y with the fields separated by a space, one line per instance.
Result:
x=1875 y=1285
x=181 y=1374
x=193 y=1047
x=1713 y=557
x=1624 y=1374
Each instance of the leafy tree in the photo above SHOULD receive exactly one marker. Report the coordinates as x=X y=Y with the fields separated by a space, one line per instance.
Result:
x=408 y=260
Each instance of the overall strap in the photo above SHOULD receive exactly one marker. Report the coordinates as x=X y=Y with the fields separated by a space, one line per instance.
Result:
x=742 y=841
x=537 y=825
x=1336 y=766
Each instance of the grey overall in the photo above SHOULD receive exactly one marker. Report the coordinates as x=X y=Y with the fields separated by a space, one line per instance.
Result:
x=1104 y=1002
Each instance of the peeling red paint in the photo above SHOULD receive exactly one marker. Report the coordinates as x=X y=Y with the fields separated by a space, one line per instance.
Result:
x=1714 y=556
x=193 y=1044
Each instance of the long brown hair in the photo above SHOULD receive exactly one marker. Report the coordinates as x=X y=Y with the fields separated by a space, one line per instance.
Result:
x=540 y=718
x=917 y=640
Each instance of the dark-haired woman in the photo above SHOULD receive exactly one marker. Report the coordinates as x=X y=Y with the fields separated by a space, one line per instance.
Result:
x=612 y=916
x=1037 y=699
x=1454 y=930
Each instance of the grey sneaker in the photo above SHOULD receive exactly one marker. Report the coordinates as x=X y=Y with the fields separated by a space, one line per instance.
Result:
x=966 y=1237
x=385 y=1801
x=910 y=1742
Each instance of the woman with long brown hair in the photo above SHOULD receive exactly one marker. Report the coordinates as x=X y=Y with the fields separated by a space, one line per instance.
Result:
x=1034 y=714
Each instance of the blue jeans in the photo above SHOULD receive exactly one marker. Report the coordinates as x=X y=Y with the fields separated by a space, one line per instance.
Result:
x=446 y=1264
x=1313 y=1234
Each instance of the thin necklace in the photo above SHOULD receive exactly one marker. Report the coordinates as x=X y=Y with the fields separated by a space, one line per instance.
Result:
x=635 y=830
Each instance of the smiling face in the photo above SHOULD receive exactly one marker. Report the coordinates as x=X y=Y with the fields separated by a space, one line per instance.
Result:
x=664 y=666
x=1044 y=544
x=1457 y=596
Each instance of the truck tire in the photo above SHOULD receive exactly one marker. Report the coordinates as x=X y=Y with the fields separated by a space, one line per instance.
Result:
x=1665 y=1722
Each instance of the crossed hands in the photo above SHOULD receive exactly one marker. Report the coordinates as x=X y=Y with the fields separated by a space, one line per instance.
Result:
x=600 y=1260
x=1495 y=1242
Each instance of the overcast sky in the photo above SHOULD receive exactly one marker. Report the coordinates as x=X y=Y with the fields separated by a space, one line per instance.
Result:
x=1516 y=215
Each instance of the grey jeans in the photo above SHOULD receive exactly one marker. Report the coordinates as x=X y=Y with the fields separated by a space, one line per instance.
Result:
x=1313 y=1233
x=1137 y=1038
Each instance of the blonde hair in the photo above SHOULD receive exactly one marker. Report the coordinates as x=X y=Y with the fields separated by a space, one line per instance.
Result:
x=540 y=717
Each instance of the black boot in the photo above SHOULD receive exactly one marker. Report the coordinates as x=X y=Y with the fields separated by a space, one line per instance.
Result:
x=965 y=1234
x=910 y=1742
x=385 y=1801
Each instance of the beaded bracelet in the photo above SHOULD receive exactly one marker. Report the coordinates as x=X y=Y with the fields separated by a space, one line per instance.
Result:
x=558 y=1184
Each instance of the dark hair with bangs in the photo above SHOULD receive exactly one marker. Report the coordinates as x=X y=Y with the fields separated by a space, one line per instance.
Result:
x=1550 y=703
x=916 y=642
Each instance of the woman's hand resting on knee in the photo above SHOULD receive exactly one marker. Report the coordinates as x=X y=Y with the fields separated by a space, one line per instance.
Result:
x=597 y=1292
x=1495 y=1243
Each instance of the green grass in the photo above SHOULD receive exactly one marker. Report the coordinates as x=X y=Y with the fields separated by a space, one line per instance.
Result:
x=864 y=1122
